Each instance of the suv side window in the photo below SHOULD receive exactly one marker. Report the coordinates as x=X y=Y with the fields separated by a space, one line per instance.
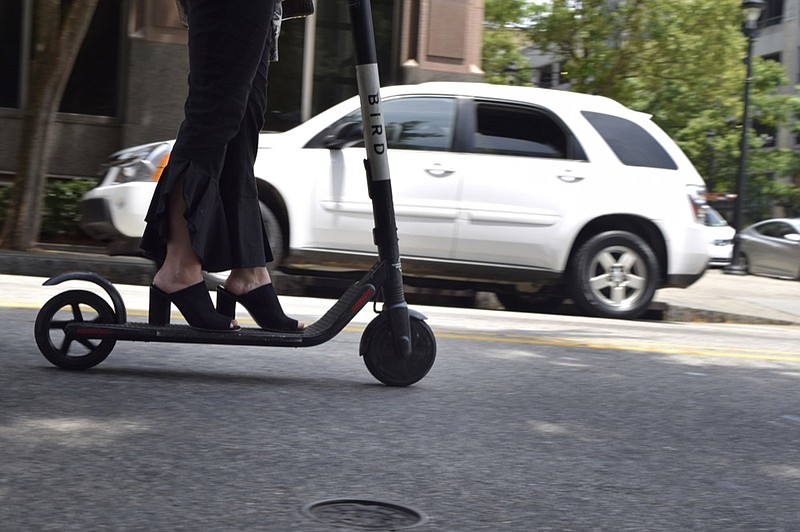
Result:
x=419 y=123
x=630 y=142
x=514 y=130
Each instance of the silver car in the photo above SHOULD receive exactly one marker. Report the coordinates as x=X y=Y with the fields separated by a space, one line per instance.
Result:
x=772 y=248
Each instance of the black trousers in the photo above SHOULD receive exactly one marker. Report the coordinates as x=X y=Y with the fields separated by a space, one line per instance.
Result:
x=217 y=142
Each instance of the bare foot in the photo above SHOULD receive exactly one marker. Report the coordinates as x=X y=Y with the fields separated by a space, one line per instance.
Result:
x=243 y=280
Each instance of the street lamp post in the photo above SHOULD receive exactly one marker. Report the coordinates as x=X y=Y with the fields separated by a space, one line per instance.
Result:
x=752 y=11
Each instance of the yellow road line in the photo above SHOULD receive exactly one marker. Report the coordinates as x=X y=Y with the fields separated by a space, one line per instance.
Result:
x=556 y=341
x=633 y=345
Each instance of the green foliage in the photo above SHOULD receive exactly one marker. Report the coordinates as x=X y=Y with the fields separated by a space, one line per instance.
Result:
x=503 y=63
x=62 y=213
x=501 y=12
x=682 y=62
x=503 y=40
x=597 y=40
x=787 y=196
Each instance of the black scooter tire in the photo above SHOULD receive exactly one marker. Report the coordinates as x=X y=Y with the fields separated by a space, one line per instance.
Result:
x=89 y=353
x=378 y=352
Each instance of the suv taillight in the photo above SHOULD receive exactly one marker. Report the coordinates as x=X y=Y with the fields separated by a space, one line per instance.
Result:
x=697 y=201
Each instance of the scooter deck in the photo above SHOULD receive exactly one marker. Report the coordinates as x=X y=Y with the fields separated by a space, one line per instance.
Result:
x=322 y=330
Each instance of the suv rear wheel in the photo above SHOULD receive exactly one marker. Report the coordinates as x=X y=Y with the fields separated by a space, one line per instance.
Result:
x=614 y=275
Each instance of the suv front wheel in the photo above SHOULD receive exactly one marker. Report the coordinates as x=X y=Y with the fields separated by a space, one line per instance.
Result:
x=614 y=275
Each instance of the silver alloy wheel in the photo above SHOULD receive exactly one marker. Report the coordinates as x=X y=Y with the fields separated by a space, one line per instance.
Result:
x=614 y=275
x=618 y=277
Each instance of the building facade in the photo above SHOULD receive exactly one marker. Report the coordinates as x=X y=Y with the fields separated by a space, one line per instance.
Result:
x=129 y=82
x=779 y=40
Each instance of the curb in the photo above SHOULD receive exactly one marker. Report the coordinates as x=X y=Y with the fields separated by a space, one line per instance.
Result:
x=54 y=259
x=45 y=263
x=687 y=314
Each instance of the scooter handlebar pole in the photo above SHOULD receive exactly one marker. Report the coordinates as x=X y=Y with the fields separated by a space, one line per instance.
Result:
x=377 y=166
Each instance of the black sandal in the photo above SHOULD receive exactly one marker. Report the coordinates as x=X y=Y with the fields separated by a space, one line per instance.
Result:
x=262 y=304
x=194 y=303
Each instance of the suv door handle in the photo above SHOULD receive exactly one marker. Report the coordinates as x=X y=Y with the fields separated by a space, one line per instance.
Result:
x=439 y=171
x=570 y=178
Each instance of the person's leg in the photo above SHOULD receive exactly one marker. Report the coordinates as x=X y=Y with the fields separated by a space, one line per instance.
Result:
x=226 y=47
x=179 y=280
x=249 y=282
x=181 y=267
x=249 y=242
x=186 y=223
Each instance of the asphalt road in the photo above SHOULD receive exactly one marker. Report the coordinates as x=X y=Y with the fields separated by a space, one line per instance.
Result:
x=525 y=423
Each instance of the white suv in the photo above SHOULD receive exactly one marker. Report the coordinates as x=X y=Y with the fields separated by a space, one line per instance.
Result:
x=539 y=195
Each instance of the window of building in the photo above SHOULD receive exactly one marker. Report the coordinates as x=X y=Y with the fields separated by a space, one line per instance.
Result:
x=546 y=77
x=798 y=75
x=563 y=73
x=286 y=78
x=767 y=133
x=93 y=87
x=157 y=21
x=630 y=142
x=334 y=58
x=11 y=23
x=773 y=13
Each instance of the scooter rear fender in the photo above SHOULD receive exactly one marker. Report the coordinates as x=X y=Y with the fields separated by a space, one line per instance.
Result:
x=119 y=306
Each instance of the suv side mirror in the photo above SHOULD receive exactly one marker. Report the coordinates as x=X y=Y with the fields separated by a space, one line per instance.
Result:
x=344 y=136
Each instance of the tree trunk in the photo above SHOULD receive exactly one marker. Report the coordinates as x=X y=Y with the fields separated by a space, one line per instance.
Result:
x=56 y=43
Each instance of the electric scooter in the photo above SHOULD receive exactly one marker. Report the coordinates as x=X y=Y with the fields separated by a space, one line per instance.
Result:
x=77 y=329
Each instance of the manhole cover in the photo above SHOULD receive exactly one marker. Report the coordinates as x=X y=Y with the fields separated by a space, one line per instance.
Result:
x=364 y=514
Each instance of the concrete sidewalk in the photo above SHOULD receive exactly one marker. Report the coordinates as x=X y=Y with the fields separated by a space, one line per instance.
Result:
x=716 y=297
x=720 y=297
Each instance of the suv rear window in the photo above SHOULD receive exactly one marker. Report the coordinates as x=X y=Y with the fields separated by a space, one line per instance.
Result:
x=630 y=142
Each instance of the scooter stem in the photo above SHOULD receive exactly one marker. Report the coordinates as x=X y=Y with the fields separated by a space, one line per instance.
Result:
x=377 y=170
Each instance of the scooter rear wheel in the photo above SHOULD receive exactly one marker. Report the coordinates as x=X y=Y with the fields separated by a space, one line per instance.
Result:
x=378 y=352
x=72 y=306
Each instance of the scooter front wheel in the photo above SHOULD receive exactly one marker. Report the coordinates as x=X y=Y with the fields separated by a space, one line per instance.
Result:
x=72 y=306
x=378 y=352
